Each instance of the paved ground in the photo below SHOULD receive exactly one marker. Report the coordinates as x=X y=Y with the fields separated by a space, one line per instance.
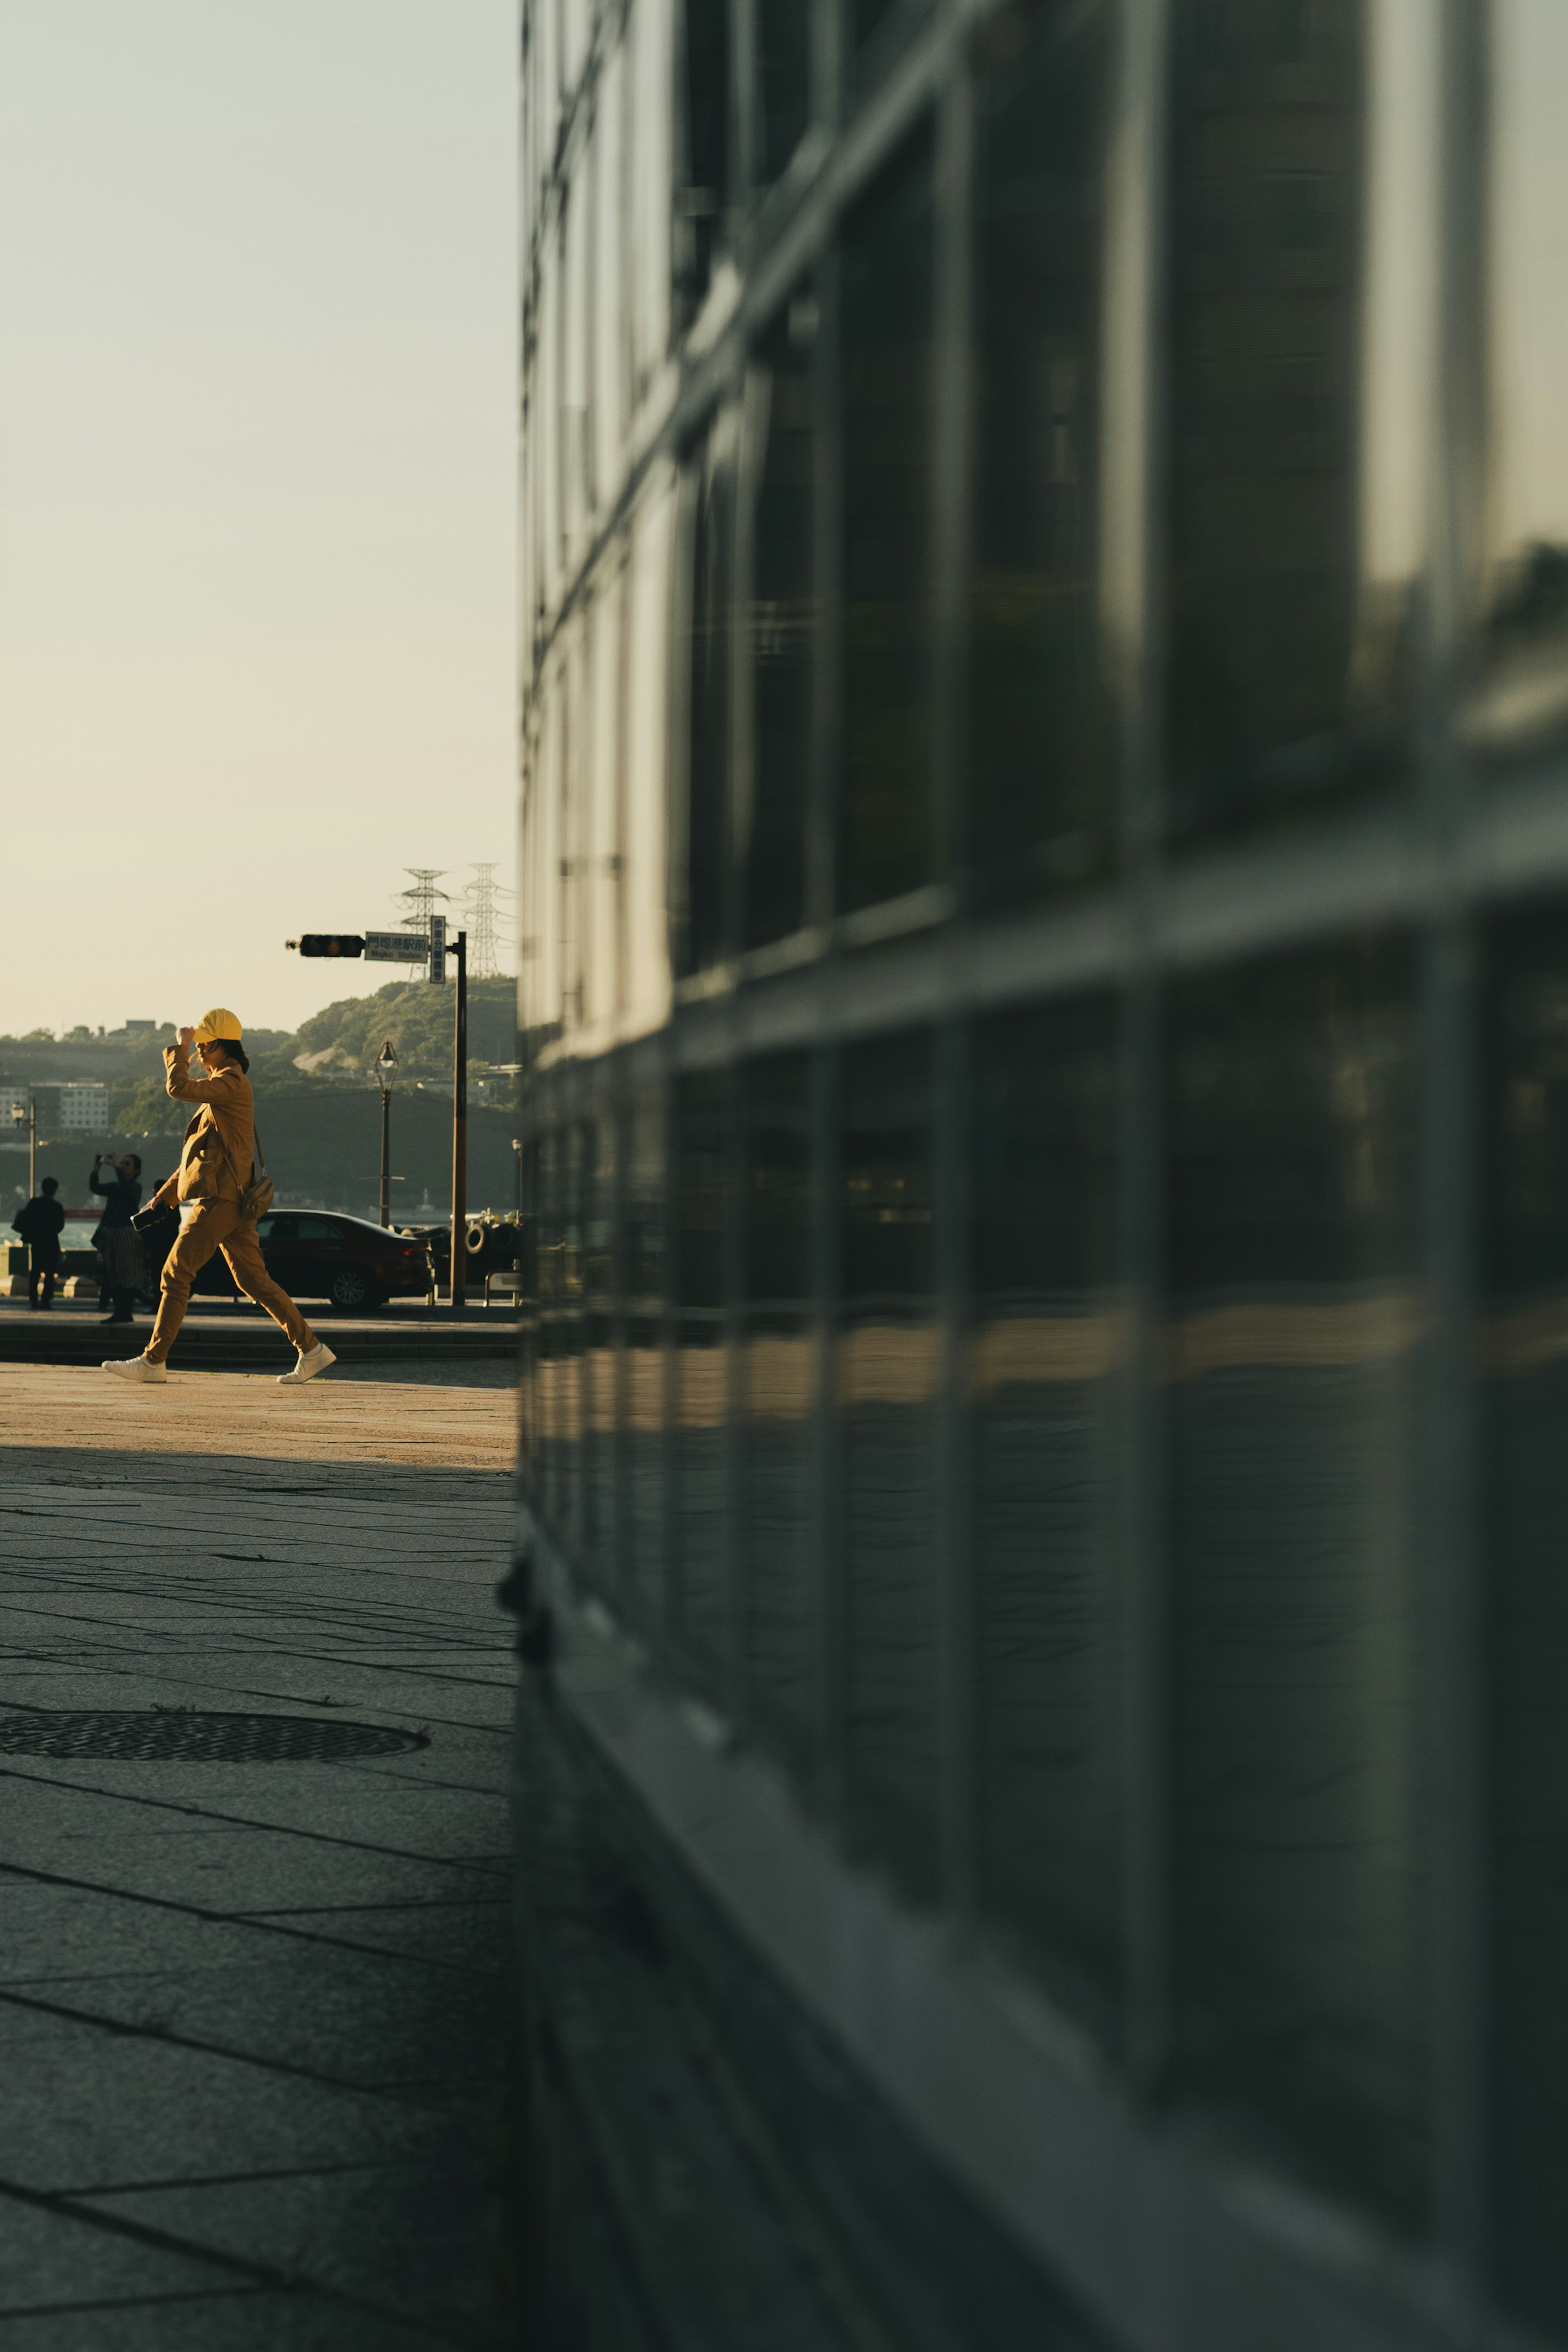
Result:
x=251 y=2057
x=216 y=1338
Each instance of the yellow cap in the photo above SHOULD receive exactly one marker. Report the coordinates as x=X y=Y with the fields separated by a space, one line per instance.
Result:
x=216 y=1023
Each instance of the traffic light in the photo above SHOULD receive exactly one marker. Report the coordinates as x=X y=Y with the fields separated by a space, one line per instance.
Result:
x=329 y=943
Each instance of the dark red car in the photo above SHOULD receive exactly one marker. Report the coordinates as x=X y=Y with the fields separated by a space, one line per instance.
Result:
x=315 y=1254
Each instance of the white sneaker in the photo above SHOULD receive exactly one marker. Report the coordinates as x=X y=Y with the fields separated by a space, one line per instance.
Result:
x=320 y=1357
x=136 y=1368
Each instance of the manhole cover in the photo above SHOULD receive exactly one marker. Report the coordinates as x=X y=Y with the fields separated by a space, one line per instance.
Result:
x=171 y=1736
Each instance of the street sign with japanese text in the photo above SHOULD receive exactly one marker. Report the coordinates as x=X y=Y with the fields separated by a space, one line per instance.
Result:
x=395 y=946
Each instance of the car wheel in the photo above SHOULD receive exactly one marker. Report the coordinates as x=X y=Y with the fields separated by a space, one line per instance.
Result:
x=352 y=1286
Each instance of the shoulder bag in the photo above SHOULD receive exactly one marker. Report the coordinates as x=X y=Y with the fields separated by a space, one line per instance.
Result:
x=255 y=1198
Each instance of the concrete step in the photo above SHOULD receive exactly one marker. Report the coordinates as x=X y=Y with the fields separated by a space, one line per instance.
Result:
x=243 y=1343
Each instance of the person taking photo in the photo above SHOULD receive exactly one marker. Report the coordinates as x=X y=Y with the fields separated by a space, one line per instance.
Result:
x=117 y=1243
x=215 y=1174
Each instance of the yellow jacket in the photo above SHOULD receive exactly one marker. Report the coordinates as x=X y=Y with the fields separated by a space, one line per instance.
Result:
x=227 y=1112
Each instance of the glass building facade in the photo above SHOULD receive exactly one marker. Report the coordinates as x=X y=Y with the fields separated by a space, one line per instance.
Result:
x=1045 y=996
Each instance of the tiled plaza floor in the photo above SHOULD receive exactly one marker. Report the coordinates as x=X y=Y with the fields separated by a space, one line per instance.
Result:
x=252 y=2044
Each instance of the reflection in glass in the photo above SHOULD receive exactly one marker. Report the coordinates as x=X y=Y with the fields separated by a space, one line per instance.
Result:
x=530 y=1449
x=551 y=1372
x=1044 y=1360
x=572 y=1338
x=698 y=1583
x=866 y=16
x=1525 y=1356
x=711 y=488
x=643 y=1373
x=1299 y=1981
x=1523 y=701
x=776 y=1500
x=885 y=845
x=783 y=621
x=783 y=80
x=655 y=245
x=703 y=152
x=887 y=1400
x=1041 y=750
x=1301 y=220
x=598 y=1373
x=609 y=200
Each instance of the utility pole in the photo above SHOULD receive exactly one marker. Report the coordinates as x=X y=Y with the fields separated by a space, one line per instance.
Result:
x=421 y=902
x=486 y=901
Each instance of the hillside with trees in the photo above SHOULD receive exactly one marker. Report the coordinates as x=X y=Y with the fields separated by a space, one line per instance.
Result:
x=418 y=1019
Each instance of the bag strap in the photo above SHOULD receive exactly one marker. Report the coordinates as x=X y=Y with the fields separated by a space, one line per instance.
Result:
x=257 y=1154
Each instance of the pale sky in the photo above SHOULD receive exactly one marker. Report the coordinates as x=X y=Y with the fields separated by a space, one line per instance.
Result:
x=257 y=465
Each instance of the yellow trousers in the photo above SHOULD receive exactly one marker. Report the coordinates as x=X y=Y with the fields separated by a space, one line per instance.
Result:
x=217 y=1224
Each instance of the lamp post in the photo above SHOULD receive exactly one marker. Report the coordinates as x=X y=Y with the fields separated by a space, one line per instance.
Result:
x=386 y=1071
x=29 y=1118
x=459 y=1285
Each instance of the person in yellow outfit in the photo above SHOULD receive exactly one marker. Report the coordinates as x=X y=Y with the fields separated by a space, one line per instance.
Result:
x=216 y=1167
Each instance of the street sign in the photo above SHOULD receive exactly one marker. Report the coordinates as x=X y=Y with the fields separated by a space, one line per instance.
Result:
x=394 y=947
x=438 y=948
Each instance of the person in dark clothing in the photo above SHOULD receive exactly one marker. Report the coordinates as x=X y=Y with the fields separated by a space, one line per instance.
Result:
x=124 y=1262
x=40 y=1222
x=158 y=1237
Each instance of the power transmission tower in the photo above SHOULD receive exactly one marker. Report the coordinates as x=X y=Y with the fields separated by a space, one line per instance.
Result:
x=420 y=903
x=485 y=900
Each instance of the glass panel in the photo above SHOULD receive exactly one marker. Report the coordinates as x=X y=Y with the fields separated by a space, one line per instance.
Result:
x=1523 y=703
x=643 y=1376
x=708 y=705
x=887 y=1397
x=777 y=1498
x=599 y=1417
x=576 y=829
x=576 y=483
x=886 y=297
x=893 y=20
x=577 y=22
x=650 y=234
x=1525 y=1356
x=609 y=298
x=644 y=892
x=783 y=80
x=528 y=1304
x=1042 y=749
x=1299 y=1932
x=1044 y=1360
x=571 y=1338
x=1302 y=207
x=702 y=190
x=783 y=621
x=866 y=16
x=551 y=1329
x=602 y=837
x=698 y=1565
